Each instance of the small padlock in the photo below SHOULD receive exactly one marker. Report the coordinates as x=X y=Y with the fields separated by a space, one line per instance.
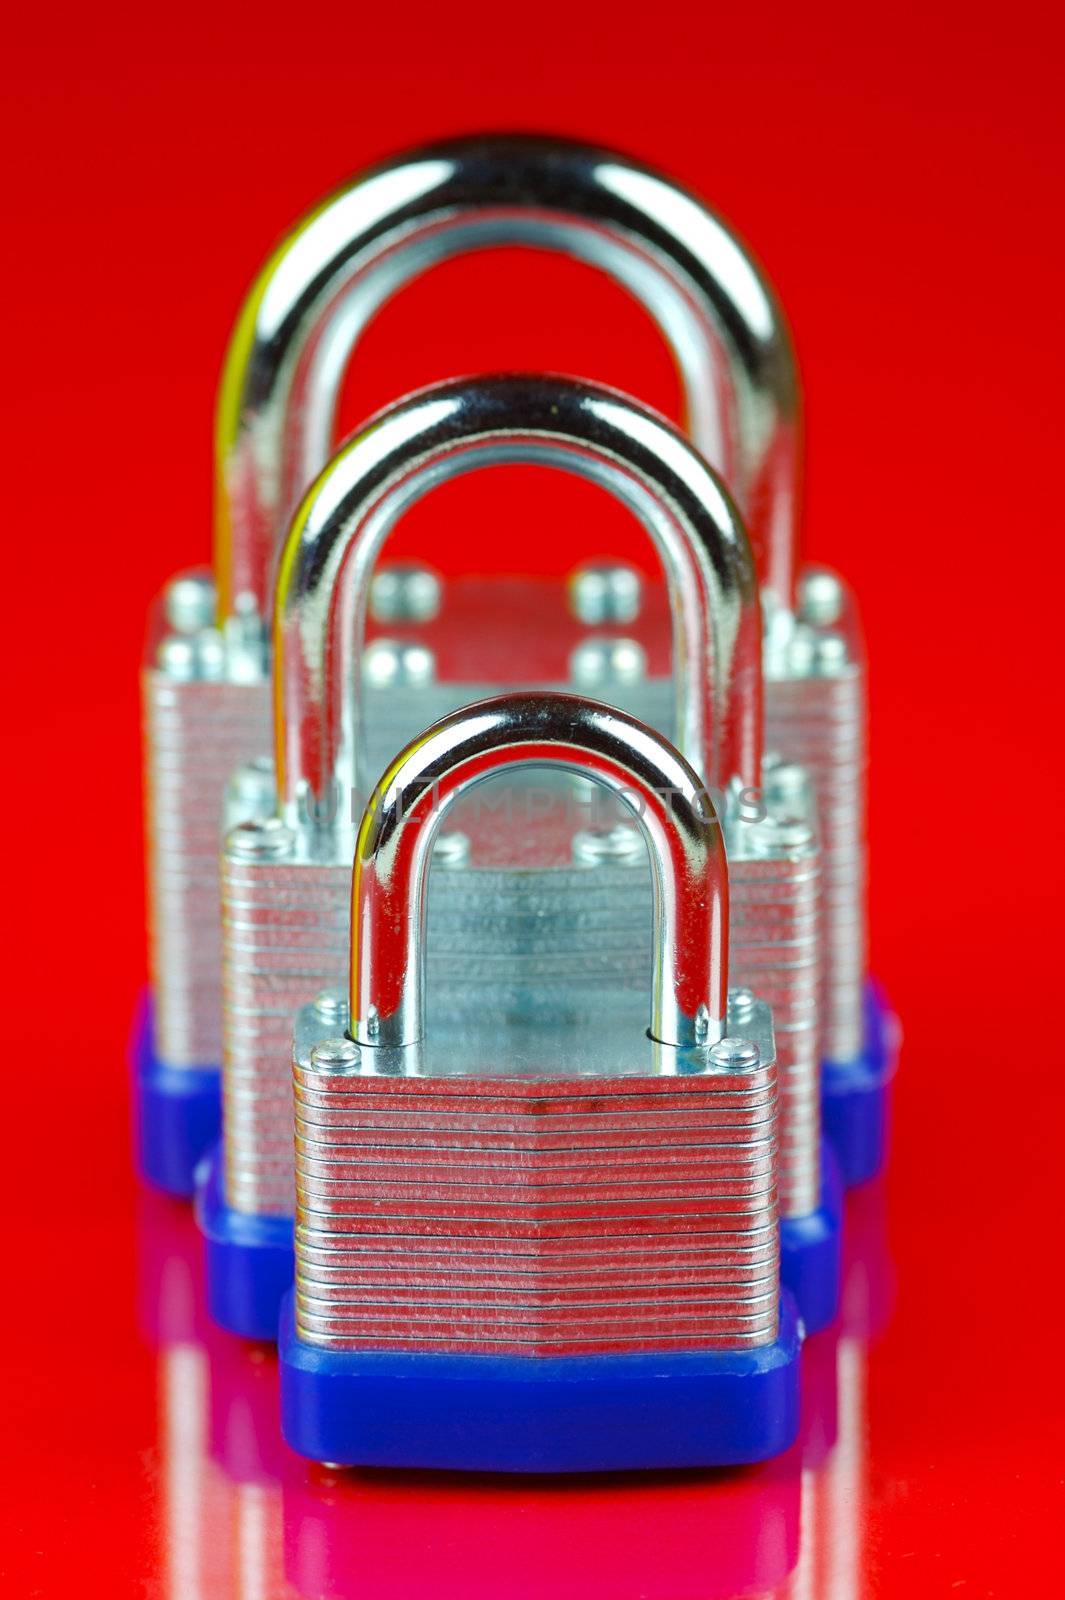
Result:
x=529 y=923
x=559 y=1254
x=205 y=680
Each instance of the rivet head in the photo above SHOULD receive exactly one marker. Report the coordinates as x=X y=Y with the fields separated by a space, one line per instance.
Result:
x=775 y=834
x=785 y=780
x=740 y=1002
x=190 y=601
x=830 y=653
x=405 y=592
x=451 y=849
x=596 y=662
x=619 y=846
x=737 y=1055
x=392 y=663
x=332 y=1006
x=821 y=598
x=339 y=1057
x=605 y=592
x=177 y=656
x=261 y=839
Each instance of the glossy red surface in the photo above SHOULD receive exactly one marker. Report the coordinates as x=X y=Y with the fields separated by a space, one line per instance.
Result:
x=895 y=168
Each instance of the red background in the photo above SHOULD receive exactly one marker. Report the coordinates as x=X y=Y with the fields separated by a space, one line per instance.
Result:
x=895 y=169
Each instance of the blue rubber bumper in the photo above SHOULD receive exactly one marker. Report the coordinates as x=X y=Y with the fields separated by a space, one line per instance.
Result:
x=855 y=1095
x=486 y=1413
x=811 y=1251
x=177 y=1111
x=250 y=1262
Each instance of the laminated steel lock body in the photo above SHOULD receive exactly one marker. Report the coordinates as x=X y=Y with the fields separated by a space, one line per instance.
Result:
x=516 y=918
x=538 y=1258
x=205 y=677
x=533 y=1197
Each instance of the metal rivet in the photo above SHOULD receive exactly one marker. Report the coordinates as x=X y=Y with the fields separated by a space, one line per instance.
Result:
x=405 y=592
x=340 y=1057
x=738 y=1054
x=332 y=1006
x=263 y=838
x=602 y=592
x=178 y=658
x=189 y=602
x=773 y=834
x=210 y=655
x=830 y=652
x=390 y=663
x=740 y=1003
x=600 y=847
x=451 y=849
x=820 y=598
x=785 y=780
x=600 y=661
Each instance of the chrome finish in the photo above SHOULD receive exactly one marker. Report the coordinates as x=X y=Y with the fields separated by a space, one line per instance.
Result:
x=328 y=277
x=683 y=837
x=452 y=428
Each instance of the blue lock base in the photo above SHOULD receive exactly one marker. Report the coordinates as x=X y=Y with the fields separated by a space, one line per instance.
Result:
x=811 y=1251
x=374 y=1408
x=250 y=1262
x=177 y=1112
x=855 y=1095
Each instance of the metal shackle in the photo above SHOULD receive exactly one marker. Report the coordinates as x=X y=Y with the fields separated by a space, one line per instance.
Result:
x=348 y=256
x=456 y=427
x=677 y=819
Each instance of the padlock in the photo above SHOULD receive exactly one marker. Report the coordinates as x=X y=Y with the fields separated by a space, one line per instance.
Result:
x=523 y=916
x=557 y=1253
x=743 y=410
x=206 y=669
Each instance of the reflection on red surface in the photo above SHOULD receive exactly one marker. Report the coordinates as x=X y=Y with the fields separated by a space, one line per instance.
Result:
x=244 y=1517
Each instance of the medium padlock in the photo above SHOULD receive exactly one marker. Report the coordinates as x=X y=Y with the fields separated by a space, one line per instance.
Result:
x=530 y=923
x=559 y=1254
x=206 y=670
x=743 y=410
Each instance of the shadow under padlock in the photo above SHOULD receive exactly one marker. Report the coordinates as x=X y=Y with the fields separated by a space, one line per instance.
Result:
x=537 y=919
x=532 y=1263
x=205 y=677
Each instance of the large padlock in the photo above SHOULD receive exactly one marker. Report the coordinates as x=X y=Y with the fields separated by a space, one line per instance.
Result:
x=205 y=680
x=520 y=914
x=591 y=1202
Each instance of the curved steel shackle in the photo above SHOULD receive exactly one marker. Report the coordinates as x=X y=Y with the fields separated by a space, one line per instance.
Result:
x=456 y=427
x=395 y=841
x=326 y=279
